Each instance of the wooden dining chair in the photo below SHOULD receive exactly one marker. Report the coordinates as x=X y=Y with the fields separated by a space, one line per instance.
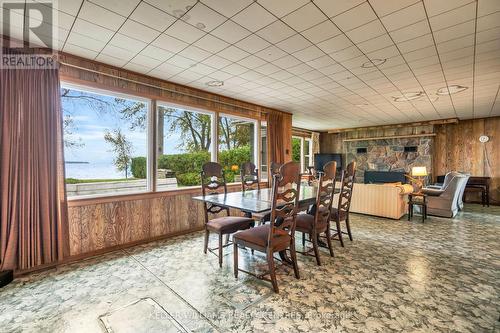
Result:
x=249 y=177
x=213 y=181
x=317 y=222
x=341 y=212
x=279 y=234
x=275 y=168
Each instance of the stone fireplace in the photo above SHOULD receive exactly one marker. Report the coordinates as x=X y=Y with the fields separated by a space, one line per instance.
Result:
x=393 y=154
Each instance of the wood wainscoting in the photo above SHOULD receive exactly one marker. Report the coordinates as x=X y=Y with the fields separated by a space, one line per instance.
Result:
x=98 y=225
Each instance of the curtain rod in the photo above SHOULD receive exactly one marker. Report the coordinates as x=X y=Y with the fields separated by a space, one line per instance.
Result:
x=163 y=88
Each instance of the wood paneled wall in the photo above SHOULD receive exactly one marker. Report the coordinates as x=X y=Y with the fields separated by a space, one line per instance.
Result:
x=456 y=146
x=104 y=224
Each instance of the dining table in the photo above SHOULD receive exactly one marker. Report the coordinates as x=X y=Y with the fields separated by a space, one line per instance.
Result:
x=257 y=203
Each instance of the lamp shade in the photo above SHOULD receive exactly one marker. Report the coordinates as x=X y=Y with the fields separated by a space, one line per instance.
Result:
x=419 y=171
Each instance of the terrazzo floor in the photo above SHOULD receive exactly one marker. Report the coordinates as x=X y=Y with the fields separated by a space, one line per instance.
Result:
x=397 y=276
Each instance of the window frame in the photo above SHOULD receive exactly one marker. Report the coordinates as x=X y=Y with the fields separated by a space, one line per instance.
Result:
x=149 y=138
x=152 y=139
x=303 y=154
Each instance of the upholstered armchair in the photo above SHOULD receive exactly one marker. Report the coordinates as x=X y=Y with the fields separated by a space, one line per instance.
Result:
x=444 y=202
x=447 y=178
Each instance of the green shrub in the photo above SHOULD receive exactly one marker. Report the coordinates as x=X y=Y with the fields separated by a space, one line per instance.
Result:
x=187 y=166
x=184 y=163
x=139 y=167
x=236 y=156
x=188 y=179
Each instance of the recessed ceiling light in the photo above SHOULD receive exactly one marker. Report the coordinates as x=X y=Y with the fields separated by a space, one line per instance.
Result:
x=215 y=83
x=408 y=96
x=373 y=63
x=453 y=89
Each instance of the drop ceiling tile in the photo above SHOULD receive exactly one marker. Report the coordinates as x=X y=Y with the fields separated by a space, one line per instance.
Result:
x=70 y=7
x=182 y=62
x=455 y=44
x=267 y=69
x=169 y=43
x=211 y=43
x=304 y=17
x=366 y=32
x=195 y=53
x=80 y=51
x=438 y=7
x=287 y=62
x=321 y=62
x=146 y=61
x=157 y=53
x=375 y=43
x=185 y=32
x=252 y=44
x=294 y=43
x=122 y=7
x=487 y=7
x=85 y=42
x=308 y=54
x=216 y=62
x=420 y=53
x=254 y=17
x=166 y=70
x=202 y=69
x=270 y=53
x=233 y=53
x=100 y=16
x=300 y=69
x=203 y=17
x=416 y=43
x=348 y=53
x=227 y=8
x=385 y=7
x=126 y=42
x=176 y=8
x=138 y=31
x=118 y=52
x=412 y=31
x=453 y=17
x=235 y=69
x=276 y=32
x=454 y=32
x=110 y=60
x=91 y=30
x=321 y=32
x=355 y=17
x=404 y=17
x=334 y=8
x=230 y=32
x=335 y=44
x=251 y=62
x=152 y=17
x=488 y=21
x=281 y=8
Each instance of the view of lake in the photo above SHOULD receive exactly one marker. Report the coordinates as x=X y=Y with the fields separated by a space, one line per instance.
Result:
x=93 y=171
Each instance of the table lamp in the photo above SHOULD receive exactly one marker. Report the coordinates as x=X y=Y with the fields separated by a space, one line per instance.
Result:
x=418 y=174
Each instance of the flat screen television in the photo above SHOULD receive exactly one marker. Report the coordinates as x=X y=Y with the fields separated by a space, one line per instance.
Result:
x=321 y=159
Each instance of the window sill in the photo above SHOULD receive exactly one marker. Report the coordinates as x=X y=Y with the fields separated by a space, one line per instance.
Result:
x=117 y=197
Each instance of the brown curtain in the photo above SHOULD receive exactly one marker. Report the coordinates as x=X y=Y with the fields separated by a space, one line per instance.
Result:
x=279 y=127
x=32 y=195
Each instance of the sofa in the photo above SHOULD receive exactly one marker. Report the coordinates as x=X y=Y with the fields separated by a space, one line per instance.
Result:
x=384 y=200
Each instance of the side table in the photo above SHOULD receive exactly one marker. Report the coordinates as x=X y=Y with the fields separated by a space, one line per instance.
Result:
x=417 y=199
